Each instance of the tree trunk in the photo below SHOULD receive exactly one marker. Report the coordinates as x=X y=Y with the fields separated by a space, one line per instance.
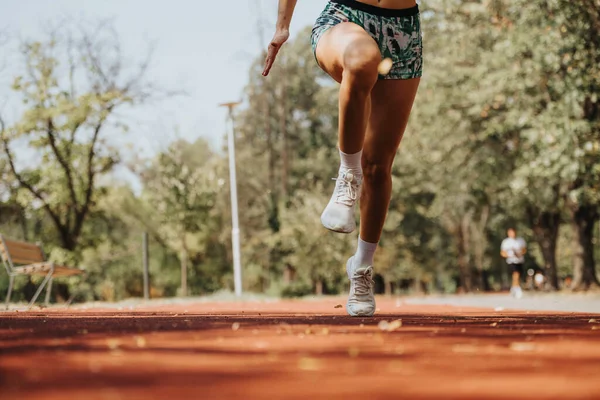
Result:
x=23 y=223
x=274 y=207
x=319 y=287
x=269 y=136
x=480 y=244
x=545 y=227
x=463 y=239
x=417 y=283
x=68 y=242
x=584 y=266
x=388 y=287
x=184 y=267
x=284 y=133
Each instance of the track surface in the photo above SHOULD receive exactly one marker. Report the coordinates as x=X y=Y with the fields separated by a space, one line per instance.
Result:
x=298 y=350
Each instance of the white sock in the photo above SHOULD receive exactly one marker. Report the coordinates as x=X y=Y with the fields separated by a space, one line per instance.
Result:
x=365 y=253
x=351 y=161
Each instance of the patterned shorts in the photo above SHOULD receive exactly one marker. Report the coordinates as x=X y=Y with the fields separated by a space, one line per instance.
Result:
x=397 y=33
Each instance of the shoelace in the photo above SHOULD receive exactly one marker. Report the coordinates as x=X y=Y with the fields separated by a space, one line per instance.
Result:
x=347 y=189
x=363 y=281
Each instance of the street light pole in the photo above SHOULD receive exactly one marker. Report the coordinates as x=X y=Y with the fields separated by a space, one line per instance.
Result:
x=235 y=229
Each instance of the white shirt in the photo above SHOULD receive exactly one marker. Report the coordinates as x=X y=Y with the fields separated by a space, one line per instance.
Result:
x=512 y=247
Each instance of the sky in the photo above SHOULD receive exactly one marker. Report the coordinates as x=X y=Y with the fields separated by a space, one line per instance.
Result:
x=202 y=47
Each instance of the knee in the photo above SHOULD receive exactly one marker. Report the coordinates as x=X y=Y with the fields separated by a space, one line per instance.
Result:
x=377 y=172
x=361 y=61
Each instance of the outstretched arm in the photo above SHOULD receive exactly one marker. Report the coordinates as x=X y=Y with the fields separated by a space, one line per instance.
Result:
x=282 y=32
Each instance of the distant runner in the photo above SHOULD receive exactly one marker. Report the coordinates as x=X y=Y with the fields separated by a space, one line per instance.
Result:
x=513 y=249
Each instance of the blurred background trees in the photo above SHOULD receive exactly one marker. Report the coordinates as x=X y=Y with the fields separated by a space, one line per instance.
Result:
x=505 y=132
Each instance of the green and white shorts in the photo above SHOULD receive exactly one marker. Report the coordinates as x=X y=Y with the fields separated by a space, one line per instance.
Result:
x=397 y=33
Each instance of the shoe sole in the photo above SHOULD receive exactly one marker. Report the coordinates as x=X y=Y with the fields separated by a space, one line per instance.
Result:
x=360 y=314
x=337 y=229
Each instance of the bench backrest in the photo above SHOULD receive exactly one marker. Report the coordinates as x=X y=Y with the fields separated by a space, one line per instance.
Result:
x=20 y=253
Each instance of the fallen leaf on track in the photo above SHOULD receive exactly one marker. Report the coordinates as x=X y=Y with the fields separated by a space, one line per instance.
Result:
x=309 y=364
x=389 y=326
x=383 y=325
x=395 y=325
x=140 y=341
x=113 y=344
x=522 y=346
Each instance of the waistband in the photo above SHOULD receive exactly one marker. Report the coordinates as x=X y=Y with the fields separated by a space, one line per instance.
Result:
x=381 y=12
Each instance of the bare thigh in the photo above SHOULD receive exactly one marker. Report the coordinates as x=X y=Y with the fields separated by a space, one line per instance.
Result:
x=342 y=45
x=391 y=104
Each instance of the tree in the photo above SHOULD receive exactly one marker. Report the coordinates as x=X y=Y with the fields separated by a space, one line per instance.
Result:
x=286 y=141
x=182 y=186
x=562 y=76
x=318 y=255
x=581 y=72
x=73 y=84
x=455 y=167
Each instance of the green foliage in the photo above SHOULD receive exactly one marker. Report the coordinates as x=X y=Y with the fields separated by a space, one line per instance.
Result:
x=505 y=131
x=71 y=87
x=297 y=289
x=181 y=191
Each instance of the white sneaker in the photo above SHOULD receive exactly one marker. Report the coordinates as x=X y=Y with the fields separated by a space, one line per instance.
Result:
x=339 y=213
x=516 y=292
x=361 y=301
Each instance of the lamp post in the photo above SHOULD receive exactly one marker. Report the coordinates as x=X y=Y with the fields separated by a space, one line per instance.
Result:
x=235 y=230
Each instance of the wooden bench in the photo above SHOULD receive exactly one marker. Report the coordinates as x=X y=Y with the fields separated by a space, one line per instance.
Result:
x=22 y=258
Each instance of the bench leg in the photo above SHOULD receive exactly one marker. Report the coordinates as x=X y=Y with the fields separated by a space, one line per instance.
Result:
x=37 y=293
x=11 y=280
x=48 y=291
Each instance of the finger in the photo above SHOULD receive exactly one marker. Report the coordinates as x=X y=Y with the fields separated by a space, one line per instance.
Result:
x=268 y=64
x=272 y=54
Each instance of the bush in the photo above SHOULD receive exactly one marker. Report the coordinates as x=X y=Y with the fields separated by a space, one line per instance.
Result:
x=296 y=289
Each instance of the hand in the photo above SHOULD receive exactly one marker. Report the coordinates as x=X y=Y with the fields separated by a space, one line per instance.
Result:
x=280 y=37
